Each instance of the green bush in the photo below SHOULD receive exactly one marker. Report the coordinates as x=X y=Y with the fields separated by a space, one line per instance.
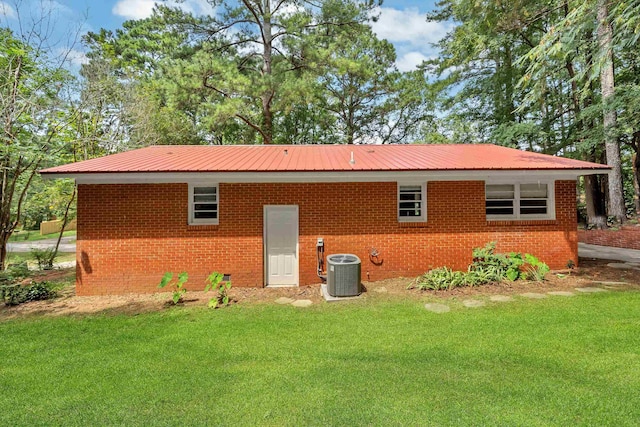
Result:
x=14 y=294
x=39 y=291
x=216 y=282
x=14 y=273
x=497 y=266
x=536 y=269
x=442 y=278
x=44 y=257
x=487 y=267
x=178 y=287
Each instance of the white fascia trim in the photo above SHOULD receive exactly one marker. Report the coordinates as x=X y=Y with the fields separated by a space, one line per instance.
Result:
x=291 y=177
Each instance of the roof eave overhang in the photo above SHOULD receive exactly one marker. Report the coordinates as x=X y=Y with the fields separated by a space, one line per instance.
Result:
x=319 y=176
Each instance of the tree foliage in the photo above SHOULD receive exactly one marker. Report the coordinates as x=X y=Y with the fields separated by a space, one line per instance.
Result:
x=32 y=120
x=539 y=75
x=260 y=71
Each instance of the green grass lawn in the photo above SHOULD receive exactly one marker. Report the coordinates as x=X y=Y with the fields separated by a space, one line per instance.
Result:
x=34 y=235
x=559 y=361
x=16 y=257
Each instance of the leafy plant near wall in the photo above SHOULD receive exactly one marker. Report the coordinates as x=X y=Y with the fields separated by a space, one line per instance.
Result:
x=215 y=282
x=498 y=266
x=178 y=287
x=487 y=267
x=14 y=294
x=536 y=269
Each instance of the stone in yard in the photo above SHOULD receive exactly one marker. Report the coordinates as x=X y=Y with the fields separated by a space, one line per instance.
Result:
x=533 y=295
x=473 y=303
x=381 y=290
x=561 y=293
x=437 y=308
x=610 y=283
x=590 y=290
x=302 y=303
x=500 y=298
x=284 y=300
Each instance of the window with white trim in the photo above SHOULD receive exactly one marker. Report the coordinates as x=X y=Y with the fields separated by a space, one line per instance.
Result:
x=527 y=200
x=203 y=204
x=412 y=202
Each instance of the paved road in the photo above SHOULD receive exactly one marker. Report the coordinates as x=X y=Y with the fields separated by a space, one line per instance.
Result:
x=608 y=252
x=67 y=244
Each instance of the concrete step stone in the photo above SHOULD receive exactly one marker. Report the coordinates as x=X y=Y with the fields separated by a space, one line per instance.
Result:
x=437 y=308
x=473 y=303
x=302 y=303
x=500 y=298
x=533 y=295
x=561 y=293
x=590 y=290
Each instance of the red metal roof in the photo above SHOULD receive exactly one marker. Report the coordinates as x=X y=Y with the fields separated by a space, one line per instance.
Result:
x=310 y=158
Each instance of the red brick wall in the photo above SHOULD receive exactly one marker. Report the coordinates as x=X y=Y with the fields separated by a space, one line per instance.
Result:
x=129 y=235
x=626 y=237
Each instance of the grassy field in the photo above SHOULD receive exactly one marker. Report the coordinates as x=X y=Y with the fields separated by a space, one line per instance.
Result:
x=16 y=257
x=559 y=361
x=34 y=235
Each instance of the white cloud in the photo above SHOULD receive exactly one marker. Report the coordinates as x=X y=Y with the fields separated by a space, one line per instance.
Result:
x=52 y=5
x=133 y=9
x=410 y=61
x=7 y=11
x=140 y=9
x=77 y=57
x=408 y=26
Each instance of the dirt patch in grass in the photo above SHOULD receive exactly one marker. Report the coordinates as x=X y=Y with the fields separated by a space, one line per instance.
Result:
x=590 y=273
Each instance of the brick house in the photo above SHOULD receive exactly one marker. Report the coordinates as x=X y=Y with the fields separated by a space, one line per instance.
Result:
x=256 y=212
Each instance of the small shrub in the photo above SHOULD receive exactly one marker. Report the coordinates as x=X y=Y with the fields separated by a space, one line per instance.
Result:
x=487 y=267
x=442 y=278
x=44 y=257
x=178 y=287
x=39 y=291
x=36 y=291
x=19 y=270
x=536 y=268
x=14 y=273
x=11 y=294
x=215 y=282
x=497 y=266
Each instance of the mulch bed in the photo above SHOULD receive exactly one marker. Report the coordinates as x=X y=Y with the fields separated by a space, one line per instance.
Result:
x=68 y=303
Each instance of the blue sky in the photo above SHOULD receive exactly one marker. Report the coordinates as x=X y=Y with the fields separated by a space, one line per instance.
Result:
x=402 y=22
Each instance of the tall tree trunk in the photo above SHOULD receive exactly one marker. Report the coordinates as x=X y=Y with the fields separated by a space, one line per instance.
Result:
x=594 y=196
x=636 y=182
x=593 y=201
x=635 y=165
x=612 y=147
x=267 y=96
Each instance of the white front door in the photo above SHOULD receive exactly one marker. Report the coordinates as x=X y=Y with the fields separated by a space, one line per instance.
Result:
x=281 y=245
